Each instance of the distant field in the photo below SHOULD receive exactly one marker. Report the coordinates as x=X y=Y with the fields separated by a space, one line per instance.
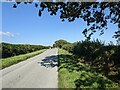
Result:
x=78 y=75
x=16 y=59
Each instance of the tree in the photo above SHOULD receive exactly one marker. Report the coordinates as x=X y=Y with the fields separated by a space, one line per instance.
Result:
x=95 y=14
x=60 y=43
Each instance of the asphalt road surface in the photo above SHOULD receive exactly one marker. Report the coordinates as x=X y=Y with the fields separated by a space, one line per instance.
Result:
x=37 y=72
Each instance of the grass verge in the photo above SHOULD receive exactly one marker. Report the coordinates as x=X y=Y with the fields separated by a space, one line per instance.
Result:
x=16 y=59
x=78 y=75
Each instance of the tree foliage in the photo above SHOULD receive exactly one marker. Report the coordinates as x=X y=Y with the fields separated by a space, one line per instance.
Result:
x=95 y=14
x=60 y=43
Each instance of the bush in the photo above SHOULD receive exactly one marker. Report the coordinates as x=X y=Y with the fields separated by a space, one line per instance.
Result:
x=88 y=50
x=68 y=47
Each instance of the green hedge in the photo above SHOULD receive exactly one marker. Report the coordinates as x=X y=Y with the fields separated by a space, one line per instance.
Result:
x=104 y=58
x=9 y=50
x=80 y=76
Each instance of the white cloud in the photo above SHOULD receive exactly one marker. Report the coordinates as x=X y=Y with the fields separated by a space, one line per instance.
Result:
x=6 y=34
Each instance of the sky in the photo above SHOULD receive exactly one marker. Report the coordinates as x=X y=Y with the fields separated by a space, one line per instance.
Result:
x=22 y=25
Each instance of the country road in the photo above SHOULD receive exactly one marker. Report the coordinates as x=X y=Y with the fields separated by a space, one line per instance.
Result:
x=37 y=72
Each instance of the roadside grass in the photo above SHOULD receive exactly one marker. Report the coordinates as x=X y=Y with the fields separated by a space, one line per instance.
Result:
x=6 y=62
x=78 y=75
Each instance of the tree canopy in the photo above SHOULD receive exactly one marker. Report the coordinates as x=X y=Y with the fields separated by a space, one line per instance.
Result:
x=97 y=15
x=60 y=43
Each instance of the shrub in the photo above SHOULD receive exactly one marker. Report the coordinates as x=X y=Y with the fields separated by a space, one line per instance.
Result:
x=68 y=47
